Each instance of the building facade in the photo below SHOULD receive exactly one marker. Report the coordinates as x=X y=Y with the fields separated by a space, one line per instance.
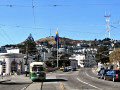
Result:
x=11 y=62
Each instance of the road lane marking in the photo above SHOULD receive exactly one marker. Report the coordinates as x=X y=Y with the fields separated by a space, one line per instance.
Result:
x=88 y=75
x=23 y=88
x=62 y=86
x=88 y=84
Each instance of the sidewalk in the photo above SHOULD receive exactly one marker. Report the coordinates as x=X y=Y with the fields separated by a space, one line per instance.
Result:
x=94 y=70
x=14 y=77
x=4 y=79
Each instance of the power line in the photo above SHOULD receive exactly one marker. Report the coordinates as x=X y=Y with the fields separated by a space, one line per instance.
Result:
x=21 y=26
x=6 y=35
x=14 y=6
x=10 y=5
x=3 y=36
x=33 y=14
x=34 y=18
x=113 y=27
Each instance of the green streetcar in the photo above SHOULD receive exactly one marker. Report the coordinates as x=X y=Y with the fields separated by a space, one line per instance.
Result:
x=37 y=71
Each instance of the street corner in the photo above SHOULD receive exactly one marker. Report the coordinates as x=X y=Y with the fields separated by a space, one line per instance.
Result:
x=4 y=80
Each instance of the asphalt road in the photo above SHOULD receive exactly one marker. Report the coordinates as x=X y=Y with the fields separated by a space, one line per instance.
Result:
x=16 y=83
x=100 y=84
x=83 y=79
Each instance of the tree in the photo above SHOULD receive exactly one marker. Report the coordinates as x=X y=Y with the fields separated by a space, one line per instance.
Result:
x=30 y=46
x=44 y=50
x=65 y=56
x=115 y=55
x=102 y=54
x=65 y=59
x=106 y=39
x=52 y=60
x=54 y=54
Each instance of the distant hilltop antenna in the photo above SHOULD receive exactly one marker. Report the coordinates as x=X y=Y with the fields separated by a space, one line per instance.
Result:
x=107 y=18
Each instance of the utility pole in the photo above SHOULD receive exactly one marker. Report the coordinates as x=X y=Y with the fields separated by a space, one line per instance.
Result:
x=26 y=60
x=44 y=56
x=57 y=55
x=38 y=56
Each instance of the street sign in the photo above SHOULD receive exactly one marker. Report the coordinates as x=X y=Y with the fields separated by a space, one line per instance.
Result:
x=18 y=66
x=25 y=67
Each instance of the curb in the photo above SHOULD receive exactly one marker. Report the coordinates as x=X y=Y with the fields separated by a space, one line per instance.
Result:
x=5 y=80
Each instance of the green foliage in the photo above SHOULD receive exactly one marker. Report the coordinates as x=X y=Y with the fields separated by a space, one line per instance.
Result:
x=64 y=60
x=117 y=45
x=102 y=54
x=106 y=39
x=65 y=56
x=48 y=63
x=30 y=46
x=54 y=54
x=44 y=50
x=115 y=55
x=45 y=43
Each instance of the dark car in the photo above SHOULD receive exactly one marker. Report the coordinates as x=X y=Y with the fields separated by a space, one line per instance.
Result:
x=74 y=69
x=113 y=75
x=101 y=73
x=65 y=70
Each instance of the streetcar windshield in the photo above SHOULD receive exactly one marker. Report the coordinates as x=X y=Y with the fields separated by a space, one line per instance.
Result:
x=37 y=69
x=34 y=69
x=40 y=69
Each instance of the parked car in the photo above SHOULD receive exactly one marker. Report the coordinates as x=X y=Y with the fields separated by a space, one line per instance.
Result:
x=69 y=67
x=65 y=69
x=113 y=75
x=61 y=68
x=101 y=73
x=74 y=69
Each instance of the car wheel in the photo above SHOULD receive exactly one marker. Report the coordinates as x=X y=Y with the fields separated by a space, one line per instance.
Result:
x=104 y=78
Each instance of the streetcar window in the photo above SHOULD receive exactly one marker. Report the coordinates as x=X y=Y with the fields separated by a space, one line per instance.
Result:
x=34 y=69
x=40 y=69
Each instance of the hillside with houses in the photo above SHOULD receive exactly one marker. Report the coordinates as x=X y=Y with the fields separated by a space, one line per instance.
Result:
x=74 y=53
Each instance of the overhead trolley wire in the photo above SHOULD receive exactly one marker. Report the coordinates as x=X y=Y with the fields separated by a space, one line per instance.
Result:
x=21 y=26
x=113 y=27
x=5 y=34
x=101 y=4
x=33 y=15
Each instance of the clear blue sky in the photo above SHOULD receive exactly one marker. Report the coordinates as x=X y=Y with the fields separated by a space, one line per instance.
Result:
x=75 y=19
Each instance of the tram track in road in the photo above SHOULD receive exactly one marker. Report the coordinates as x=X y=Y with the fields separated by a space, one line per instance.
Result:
x=34 y=86
x=41 y=86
